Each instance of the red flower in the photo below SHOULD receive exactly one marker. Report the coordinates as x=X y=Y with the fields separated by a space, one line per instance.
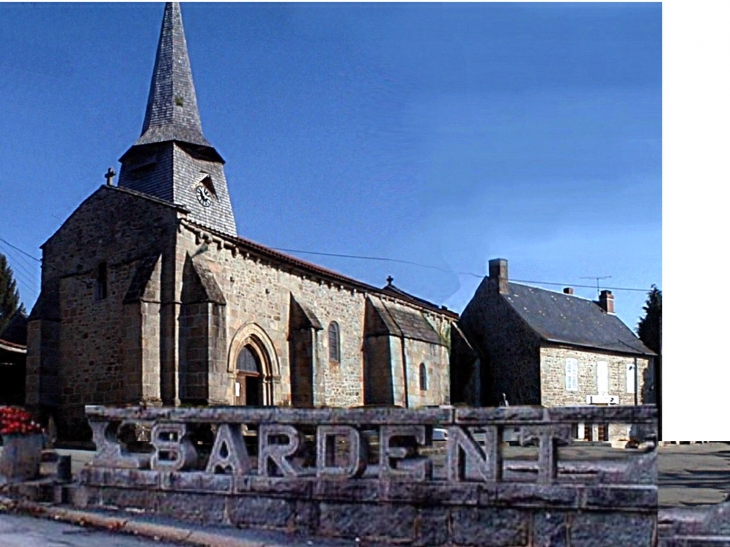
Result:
x=14 y=420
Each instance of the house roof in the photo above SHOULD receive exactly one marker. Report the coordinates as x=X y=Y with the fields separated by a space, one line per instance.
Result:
x=15 y=332
x=567 y=319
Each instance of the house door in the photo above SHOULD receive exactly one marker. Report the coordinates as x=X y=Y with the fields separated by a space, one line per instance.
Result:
x=248 y=386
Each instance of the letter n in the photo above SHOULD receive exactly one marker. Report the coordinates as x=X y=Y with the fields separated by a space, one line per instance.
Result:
x=464 y=455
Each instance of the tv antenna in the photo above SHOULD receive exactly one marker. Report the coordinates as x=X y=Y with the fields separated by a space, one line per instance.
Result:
x=598 y=279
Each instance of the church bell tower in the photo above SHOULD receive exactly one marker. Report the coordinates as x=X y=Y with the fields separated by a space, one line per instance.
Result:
x=172 y=160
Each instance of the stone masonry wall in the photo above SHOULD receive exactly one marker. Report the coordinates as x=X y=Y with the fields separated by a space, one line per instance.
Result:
x=437 y=374
x=259 y=292
x=508 y=350
x=553 y=380
x=120 y=229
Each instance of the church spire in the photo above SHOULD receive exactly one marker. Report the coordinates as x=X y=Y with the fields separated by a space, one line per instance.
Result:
x=172 y=109
x=171 y=160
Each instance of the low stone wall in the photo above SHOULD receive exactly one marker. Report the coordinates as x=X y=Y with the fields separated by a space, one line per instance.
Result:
x=380 y=475
x=695 y=527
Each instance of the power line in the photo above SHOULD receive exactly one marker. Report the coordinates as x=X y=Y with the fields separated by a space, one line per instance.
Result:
x=480 y=276
x=19 y=249
x=39 y=260
x=375 y=258
x=399 y=261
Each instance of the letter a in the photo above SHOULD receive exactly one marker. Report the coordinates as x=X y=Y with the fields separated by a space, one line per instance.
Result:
x=229 y=451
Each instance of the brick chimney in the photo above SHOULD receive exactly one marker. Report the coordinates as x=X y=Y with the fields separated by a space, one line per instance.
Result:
x=498 y=278
x=568 y=290
x=605 y=301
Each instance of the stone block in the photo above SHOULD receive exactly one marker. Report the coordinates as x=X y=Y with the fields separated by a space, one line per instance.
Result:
x=296 y=488
x=429 y=493
x=431 y=527
x=196 y=482
x=531 y=495
x=127 y=498
x=490 y=527
x=621 y=498
x=373 y=522
x=604 y=529
x=362 y=490
x=509 y=415
x=261 y=512
x=550 y=529
x=202 y=508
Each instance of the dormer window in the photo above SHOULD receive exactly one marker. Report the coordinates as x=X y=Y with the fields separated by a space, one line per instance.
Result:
x=100 y=290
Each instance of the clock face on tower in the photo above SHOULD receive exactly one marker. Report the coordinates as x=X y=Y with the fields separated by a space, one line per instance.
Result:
x=203 y=196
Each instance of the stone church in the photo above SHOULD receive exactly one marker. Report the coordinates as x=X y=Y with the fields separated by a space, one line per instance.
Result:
x=149 y=296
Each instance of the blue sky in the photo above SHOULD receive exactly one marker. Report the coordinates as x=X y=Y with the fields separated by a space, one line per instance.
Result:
x=440 y=134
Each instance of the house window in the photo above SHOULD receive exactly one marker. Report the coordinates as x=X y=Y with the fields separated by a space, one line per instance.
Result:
x=334 y=342
x=100 y=290
x=631 y=378
x=423 y=377
x=571 y=374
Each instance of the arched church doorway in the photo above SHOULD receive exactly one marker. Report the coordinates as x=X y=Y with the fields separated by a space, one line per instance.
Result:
x=254 y=367
x=248 y=388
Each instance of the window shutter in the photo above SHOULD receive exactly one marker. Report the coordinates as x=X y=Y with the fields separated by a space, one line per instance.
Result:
x=571 y=374
x=631 y=378
x=602 y=377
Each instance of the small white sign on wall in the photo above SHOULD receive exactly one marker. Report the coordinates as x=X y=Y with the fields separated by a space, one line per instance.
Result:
x=602 y=399
x=237 y=389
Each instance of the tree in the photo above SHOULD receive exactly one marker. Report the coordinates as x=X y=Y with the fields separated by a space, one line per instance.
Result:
x=650 y=332
x=650 y=326
x=9 y=295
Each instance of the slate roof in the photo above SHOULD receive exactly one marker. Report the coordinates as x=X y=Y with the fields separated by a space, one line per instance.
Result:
x=172 y=107
x=16 y=331
x=398 y=321
x=567 y=319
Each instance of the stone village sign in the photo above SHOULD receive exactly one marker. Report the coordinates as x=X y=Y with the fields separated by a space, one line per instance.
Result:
x=375 y=473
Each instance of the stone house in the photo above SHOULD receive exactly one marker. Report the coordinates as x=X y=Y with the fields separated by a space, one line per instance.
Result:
x=539 y=347
x=148 y=296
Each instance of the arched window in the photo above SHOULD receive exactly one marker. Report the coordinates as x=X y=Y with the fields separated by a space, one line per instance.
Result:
x=423 y=377
x=334 y=342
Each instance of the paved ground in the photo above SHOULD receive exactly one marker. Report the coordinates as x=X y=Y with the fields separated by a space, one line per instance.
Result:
x=693 y=474
x=27 y=531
